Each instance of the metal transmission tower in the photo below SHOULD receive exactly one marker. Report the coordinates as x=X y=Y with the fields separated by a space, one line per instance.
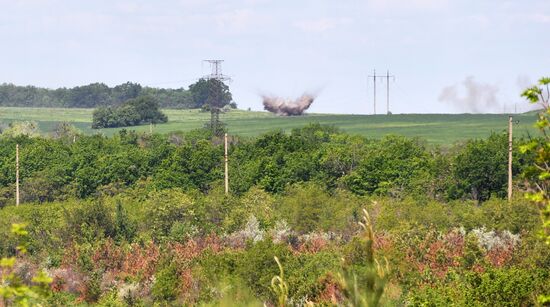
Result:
x=387 y=77
x=216 y=67
x=216 y=74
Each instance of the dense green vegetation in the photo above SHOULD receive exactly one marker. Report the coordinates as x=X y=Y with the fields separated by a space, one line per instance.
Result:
x=140 y=218
x=395 y=166
x=441 y=129
x=100 y=95
x=132 y=112
x=314 y=217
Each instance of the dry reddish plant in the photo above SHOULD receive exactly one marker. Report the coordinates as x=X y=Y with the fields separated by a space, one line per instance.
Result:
x=184 y=253
x=313 y=245
x=141 y=261
x=438 y=254
x=67 y=280
x=331 y=290
x=383 y=242
x=190 y=287
x=109 y=256
x=500 y=255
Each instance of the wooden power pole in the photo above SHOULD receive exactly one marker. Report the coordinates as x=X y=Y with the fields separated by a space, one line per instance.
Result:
x=226 y=166
x=374 y=89
x=510 y=159
x=17 y=174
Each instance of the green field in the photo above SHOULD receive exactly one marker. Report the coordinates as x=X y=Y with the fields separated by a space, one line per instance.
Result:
x=435 y=128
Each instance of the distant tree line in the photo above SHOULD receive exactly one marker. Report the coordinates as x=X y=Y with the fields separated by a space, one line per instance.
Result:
x=133 y=112
x=100 y=95
x=392 y=166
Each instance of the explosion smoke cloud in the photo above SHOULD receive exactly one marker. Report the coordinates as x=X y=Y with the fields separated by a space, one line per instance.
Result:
x=478 y=97
x=288 y=107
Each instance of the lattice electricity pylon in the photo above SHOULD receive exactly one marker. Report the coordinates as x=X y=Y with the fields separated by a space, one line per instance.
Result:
x=216 y=66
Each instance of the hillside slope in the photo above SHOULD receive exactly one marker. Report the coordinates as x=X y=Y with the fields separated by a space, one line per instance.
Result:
x=435 y=128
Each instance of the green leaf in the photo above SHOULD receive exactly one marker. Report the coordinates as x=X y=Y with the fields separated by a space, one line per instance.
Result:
x=544 y=81
x=7 y=262
x=544 y=176
x=19 y=229
x=42 y=278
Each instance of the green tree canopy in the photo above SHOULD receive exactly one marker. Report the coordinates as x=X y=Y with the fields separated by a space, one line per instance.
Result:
x=210 y=92
x=137 y=111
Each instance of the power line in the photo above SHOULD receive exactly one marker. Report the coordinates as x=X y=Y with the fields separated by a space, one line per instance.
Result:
x=388 y=91
x=387 y=77
x=374 y=89
x=170 y=82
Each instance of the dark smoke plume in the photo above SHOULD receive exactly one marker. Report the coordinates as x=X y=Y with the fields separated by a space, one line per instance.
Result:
x=287 y=107
x=478 y=97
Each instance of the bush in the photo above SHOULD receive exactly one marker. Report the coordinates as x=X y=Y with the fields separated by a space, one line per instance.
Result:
x=480 y=168
x=90 y=222
x=494 y=287
x=308 y=207
x=392 y=166
x=133 y=112
x=165 y=208
x=166 y=283
x=256 y=266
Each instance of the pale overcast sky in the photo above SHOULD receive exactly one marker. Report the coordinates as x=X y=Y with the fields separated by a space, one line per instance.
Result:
x=448 y=56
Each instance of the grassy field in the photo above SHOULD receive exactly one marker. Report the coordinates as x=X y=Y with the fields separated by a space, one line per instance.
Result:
x=441 y=129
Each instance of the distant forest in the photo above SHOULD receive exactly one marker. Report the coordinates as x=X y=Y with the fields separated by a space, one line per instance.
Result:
x=99 y=95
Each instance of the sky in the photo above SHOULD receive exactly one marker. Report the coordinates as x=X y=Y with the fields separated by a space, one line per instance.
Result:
x=447 y=56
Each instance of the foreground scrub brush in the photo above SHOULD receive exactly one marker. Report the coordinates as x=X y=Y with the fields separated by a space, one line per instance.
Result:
x=364 y=285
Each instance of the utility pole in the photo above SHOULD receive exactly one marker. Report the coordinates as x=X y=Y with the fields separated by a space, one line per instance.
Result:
x=374 y=89
x=510 y=159
x=226 y=167
x=17 y=174
x=387 y=77
x=388 y=91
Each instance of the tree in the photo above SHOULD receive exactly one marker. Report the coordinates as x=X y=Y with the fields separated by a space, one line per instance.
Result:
x=210 y=92
x=148 y=109
x=125 y=91
x=136 y=111
x=538 y=175
x=392 y=166
x=29 y=129
x=102 y=117
x=65 y=130
x=89 y=96
x=480 y=169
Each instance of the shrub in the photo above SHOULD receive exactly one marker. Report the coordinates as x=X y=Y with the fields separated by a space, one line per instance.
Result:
x=90 y=221
x=166 y=208
x=308 y=207
x=166 y=283
x=125 y=229
x=132 y=112
x=390 y=167
x=256 y=266
x=505 y=287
